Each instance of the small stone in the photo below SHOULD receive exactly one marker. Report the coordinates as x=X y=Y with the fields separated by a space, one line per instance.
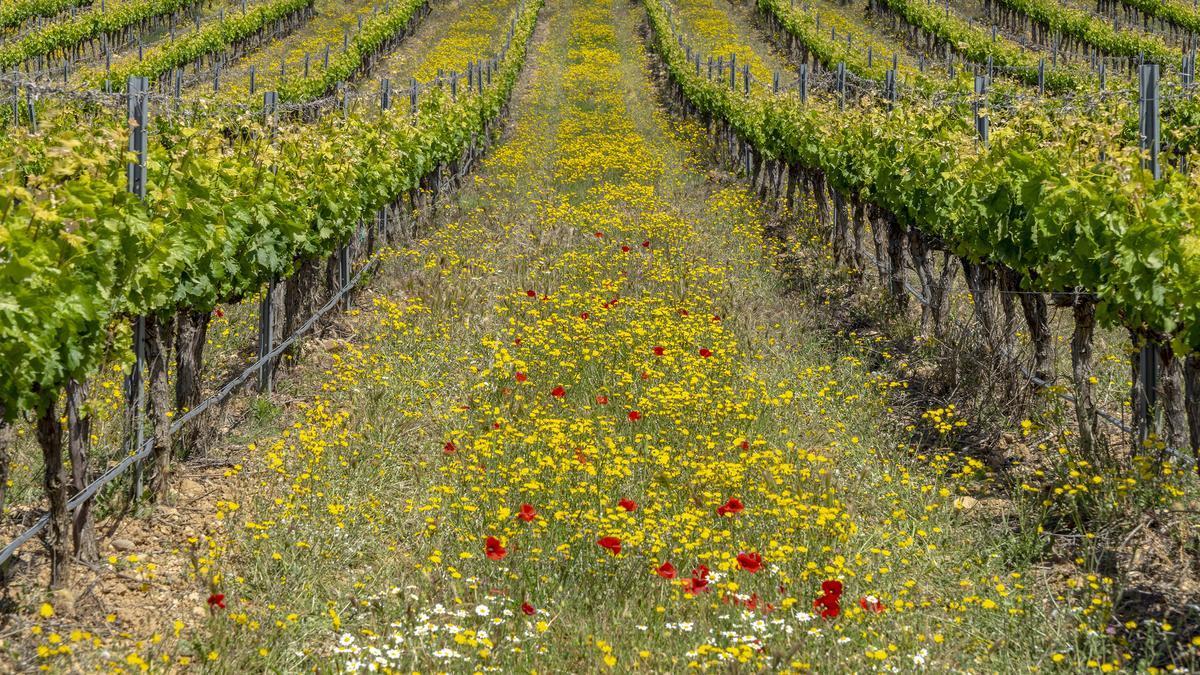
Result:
x=63 y=601
x=965 y=503
x=190 y=488
x=122 y=544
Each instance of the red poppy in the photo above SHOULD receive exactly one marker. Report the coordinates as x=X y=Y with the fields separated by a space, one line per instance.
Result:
x=646 y=244
x=584 y=316
x=527 y=513
x=699 y=580
x=628 y=504
x=751 y=562
x=659 y=351
x=645 y=375
x=580 y=457
x=495 y=425
x=558 y=392
x=624 y=249
x=634 y=415
x=599 y=235
x=449 y=448
x=745 y=445
x=829 y=607
x=666 y=571
x=683 y=312
x=613 y=544
x=528 y=609
x=602 y=399
x=521 y=377
x=531 y=293
x=517 y=341
x=219 y=312
x=831 y=590
x=494 y=550
x=871 y=604
x=705 y=352
x=734 y=506
x=216 y=601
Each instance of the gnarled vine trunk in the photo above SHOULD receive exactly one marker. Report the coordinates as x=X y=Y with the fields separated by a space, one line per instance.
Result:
x=79 y=432
x=1082 y=369
x=190 y=336
x=54 y=484
x=158 y=404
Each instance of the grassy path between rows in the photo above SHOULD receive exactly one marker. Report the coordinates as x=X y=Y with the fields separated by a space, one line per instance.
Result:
x=578 y=427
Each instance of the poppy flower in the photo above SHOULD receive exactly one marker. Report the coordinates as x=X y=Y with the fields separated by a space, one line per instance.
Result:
x=219 y=312
x=683 y=312
x=521 y=377
x=745 y=445
x=871 y=604
x=580 y=457
x=527 y=513
x=646 y=244
x=216 y=601
x=732 y=507
x=528 y=609
x=584 y=316
x=659 y=351
x=751 y=562
x=599 y=235
x=705 y=352
x=645 y=375
x=628 y=504
x=517 y=342
x=531 y=293
x=666 y=571
x=634 y=415
x=494 y=550
x=558 y=392
x=602 y=400
x=495 y=425
x=624 y=249
x=699 y=580
x=831 y=590
x=449 y=448
x=829 y=607
x=613 y=544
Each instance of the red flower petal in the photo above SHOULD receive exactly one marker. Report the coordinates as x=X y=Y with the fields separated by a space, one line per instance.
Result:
x=494 y=550
x=602 y=399
x=217 y=600
x=613 y=544
x=831 y=587
x=751 y=562
x=531 y=293
x=528 y=609
x=646 y=244
x=733 y=506
x=521 y=377
x=449 y=448
x=558 y=392
x=628 y=504
x=658 y=351
x=634 y=415
x=871 y=604
x=666 y=571
x=527 y=513
x=705 y=352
